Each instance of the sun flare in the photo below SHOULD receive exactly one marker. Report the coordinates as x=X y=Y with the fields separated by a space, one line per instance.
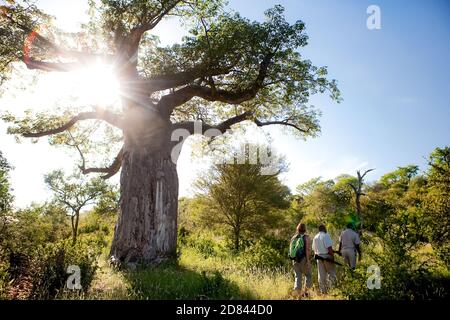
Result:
x=97 y=85
x=93 y=85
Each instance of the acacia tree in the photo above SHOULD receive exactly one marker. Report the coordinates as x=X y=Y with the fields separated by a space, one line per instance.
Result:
x=74 y=193
x=226 y=71
x=242 y=196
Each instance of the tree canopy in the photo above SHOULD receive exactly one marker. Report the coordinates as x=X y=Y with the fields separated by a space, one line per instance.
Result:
x=242 y=197
x=226 y=71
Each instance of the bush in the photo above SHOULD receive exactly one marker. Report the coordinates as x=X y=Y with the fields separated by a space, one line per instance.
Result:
x=34 y=255
x=267 y=253
x=201 y=243
x=4 y=276
x=51 y=267
x=43 y=272
x=399 y=281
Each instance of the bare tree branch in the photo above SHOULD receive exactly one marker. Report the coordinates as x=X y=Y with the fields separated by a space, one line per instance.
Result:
x=150 y=23
x=366 y=172
x=222 y=127
x=82 y=57
x=110 y=171
x=353 y=187
x=50 y=66
x=225 y=125
x=282 y=122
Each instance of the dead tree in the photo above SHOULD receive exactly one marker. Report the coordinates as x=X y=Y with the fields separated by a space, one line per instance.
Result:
x=357 y=188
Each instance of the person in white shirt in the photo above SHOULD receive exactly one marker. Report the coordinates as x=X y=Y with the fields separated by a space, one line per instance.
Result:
x=349 y=245
x=323 y=249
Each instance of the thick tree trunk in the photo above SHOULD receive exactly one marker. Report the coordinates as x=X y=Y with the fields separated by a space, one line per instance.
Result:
x=146 y=231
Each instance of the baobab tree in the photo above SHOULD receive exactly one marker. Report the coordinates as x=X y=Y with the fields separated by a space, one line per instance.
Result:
x=227 y=71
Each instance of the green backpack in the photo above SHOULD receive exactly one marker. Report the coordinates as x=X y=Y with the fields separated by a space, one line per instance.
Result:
x=297 y=248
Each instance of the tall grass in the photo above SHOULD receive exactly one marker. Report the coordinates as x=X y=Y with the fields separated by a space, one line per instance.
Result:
x=193 y=276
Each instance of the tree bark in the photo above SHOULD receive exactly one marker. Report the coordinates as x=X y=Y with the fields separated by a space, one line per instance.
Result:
x=237 y=239
x=75 y=227
x=146 y=230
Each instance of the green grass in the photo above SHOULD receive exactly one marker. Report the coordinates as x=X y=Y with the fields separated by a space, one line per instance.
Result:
x=194 y=277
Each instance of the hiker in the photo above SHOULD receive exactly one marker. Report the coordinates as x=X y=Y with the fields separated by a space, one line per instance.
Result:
x=324 y=254
x=300 y=253
x=349 y=245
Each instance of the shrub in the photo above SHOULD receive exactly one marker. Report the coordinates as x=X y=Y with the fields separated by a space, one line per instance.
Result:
x=51 y=267
x=201 y=243
x=400 y=280
x=4 y=276
x=267 y=253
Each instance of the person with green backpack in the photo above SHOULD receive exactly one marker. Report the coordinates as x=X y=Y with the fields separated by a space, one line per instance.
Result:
x=300 y=254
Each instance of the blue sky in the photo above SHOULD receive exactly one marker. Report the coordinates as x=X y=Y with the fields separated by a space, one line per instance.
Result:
x=395 y=83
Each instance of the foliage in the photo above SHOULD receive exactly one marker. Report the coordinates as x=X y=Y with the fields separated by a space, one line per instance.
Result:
x=32 y=226
x=97 y=229
x=402 y=210
x=35 y=251
x=108 y=201
x=171 y=281
x=51 y=263
x=242 y=198
x=328 y=202
x=74 y=193
x=226 y=66
x=437 y=202
x=6 y=197
x=267 y=253
x=202 y=243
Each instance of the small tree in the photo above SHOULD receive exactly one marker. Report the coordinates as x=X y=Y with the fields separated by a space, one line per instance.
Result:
x=5 y=190
x=437 y=202
x=74 y=193
x=325 y=201
x=6 y=197
x=242 y=198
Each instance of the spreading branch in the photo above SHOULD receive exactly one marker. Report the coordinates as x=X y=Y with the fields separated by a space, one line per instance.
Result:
x=181 y=96
x=149 y=23
x=281 y=122
x=110 y=171
x=38 y=39
x=112 y=119
x=50 y=66
x=169 y=81
x=222 y=127
x=225 y=125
